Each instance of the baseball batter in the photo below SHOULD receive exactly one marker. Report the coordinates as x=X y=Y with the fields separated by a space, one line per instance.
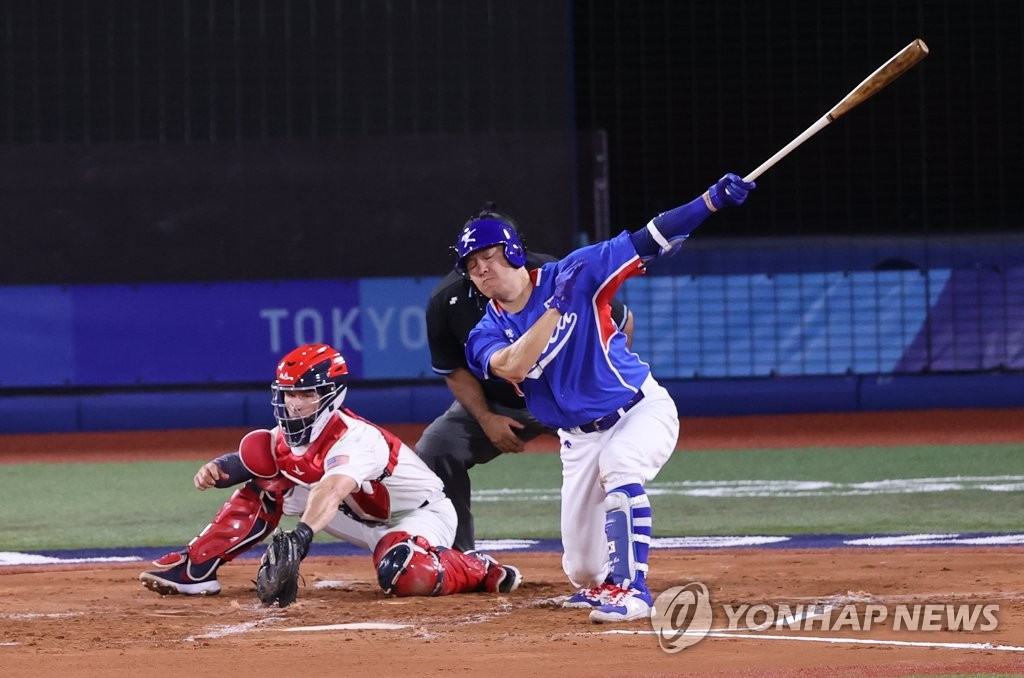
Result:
x=549 y=331
x=342 y=475
x=487 y=418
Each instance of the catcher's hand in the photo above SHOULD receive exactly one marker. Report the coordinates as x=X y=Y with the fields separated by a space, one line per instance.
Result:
x=277 y=580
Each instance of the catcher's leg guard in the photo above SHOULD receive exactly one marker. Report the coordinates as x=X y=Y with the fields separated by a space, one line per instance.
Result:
x=243 y=521
x=411 y=566
x=628 y=528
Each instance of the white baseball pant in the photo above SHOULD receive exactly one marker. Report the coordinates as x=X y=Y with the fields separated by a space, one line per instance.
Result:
x=631 y=451
x=435 y=522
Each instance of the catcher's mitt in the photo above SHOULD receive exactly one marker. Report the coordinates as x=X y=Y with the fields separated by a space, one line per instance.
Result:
x=277 y=580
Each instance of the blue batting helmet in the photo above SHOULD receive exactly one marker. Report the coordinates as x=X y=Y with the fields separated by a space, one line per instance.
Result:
x=485 y=230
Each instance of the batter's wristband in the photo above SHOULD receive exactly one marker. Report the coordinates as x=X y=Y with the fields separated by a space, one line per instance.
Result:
x=707 y=201
x=556 y=304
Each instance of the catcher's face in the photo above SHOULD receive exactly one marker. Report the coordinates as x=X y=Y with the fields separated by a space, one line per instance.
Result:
x=300 y=403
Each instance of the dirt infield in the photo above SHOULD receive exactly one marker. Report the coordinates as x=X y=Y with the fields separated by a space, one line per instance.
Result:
x=97 y=620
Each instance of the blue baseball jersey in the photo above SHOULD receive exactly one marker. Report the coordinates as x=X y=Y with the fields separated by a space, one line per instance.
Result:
x=586 y=371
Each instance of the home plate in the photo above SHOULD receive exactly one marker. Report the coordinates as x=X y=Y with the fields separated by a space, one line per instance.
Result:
x=355 y=626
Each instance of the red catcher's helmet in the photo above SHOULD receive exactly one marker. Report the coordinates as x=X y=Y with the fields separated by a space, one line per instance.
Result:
x=311 y=367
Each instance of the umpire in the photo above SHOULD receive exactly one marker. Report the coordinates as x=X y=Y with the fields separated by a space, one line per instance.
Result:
x=487 y=418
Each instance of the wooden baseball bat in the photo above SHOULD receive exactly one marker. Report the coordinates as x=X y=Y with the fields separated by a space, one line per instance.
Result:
x=899 y=64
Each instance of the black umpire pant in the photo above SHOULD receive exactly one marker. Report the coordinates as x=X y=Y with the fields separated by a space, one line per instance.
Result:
x=454 y=443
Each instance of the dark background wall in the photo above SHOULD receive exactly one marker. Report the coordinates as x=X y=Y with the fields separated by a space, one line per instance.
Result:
x=689 y=89
x=237 y=139
x=223 y=139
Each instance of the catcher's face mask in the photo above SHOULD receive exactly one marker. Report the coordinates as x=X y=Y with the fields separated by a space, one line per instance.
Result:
x=310 y=386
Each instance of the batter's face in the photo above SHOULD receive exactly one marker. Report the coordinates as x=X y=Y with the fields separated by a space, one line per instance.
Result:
x=497 y=279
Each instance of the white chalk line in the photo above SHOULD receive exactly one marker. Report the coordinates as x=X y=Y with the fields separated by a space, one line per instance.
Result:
x=330 y=584
x=937 y=540
x=9 y=558
x=19 y=558
x=222 y=631
x=812 y=613
x=354 y=626
x=784 y=488
x=267 y=624
x=898 y=598
x=39 y=615
x=746 y=635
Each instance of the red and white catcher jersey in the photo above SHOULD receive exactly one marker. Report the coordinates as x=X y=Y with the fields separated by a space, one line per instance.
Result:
x=392 y=479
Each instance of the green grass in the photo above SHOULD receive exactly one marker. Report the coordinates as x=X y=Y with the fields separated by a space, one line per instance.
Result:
x=46 y=506
x=960 y=511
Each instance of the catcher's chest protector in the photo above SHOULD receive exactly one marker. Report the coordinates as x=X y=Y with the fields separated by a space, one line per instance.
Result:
x=308 y=469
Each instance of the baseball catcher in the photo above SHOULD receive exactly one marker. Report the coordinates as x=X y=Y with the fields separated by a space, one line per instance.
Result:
x=344 y=476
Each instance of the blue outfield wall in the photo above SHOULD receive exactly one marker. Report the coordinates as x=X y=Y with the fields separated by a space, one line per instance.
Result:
x=191 y=333
x=172 y=409
x=421 y=403
x=108 y=357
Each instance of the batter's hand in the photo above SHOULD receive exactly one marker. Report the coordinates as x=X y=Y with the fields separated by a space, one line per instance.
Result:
x=565 y=281
x=499 y=430
x=729 y=191
x=208 y=475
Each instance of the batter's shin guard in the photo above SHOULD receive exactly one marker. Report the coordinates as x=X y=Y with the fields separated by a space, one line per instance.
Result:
x=628 y=528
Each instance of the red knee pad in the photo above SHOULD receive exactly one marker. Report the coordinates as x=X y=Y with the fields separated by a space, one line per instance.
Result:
x=386 y=542
x=407 y=565
x=411 y=566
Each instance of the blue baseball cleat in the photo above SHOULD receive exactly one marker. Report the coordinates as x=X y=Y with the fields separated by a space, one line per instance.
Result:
x=624 y=605
x=595 y=596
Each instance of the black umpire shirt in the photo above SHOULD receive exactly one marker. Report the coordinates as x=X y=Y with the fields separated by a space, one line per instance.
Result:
x=455 y=307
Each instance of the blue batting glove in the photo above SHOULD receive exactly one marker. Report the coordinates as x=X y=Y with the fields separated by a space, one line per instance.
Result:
x=729 y=191
x=565 y=281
